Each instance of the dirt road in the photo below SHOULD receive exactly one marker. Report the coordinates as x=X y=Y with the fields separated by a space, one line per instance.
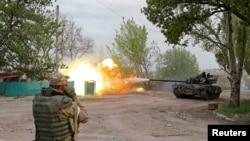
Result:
x=148 y=116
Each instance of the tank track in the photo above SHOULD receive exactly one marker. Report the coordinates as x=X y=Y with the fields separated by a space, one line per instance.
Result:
x=211 y=92
x=208 y=92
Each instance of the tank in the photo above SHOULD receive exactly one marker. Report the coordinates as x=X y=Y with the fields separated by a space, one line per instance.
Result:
x=202 y=87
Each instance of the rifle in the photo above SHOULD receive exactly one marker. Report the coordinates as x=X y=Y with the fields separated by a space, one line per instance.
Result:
x=76 y=121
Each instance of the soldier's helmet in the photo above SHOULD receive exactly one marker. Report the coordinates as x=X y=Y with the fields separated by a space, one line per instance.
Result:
x=58 y=79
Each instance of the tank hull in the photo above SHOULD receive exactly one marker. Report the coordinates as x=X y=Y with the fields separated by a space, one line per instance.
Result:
x=204 y=92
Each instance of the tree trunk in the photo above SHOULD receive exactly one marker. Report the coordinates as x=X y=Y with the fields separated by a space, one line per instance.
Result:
x=235 y=93
x=234 y=77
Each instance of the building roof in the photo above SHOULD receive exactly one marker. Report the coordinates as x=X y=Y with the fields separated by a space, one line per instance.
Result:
x=9 y=76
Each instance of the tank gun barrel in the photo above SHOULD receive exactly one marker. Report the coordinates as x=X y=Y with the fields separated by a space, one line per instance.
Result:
x=198 y=86
x=166 y=80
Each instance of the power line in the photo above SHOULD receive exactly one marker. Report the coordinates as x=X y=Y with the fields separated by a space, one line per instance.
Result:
x=113 y=11
x=118 y=14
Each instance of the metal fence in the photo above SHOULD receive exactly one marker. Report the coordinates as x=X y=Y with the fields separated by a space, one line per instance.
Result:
x=23 y=88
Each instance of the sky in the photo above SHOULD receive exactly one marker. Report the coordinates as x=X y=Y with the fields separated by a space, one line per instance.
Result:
x=100 y=18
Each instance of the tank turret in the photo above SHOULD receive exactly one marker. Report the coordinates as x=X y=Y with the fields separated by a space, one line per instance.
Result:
x=201 y=86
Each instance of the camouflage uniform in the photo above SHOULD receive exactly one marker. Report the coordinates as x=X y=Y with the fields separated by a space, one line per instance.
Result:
x=70 y=92
x=57 y=116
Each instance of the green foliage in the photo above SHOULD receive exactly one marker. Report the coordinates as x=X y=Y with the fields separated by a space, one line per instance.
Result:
x=243 y=109
x=177 y=18
x=177 y=63
x=205 y=22
x=27 y=29
x=247 y=63
x=247 y=121
x=222 y=58
x=129 y=51
x=242 y=44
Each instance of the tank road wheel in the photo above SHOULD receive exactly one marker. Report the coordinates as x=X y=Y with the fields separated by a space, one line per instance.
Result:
x=214 y=92
x=204 y=95
x=176 y=93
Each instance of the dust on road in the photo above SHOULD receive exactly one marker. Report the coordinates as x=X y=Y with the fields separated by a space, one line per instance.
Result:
x=147 y=116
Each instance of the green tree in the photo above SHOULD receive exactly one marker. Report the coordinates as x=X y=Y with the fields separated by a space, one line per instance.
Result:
x=242 y=44
x=130 y=52
x=27 y=29
x=212 y=36
x=177 y=63
x=177 y=18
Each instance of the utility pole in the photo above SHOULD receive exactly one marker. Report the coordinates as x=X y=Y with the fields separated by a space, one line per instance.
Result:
x=57 y=22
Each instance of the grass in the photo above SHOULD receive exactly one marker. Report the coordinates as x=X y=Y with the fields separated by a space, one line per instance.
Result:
x=15 y=97
x=20 y=96
x=243 y=110
x=225 y=87
x=2 y=95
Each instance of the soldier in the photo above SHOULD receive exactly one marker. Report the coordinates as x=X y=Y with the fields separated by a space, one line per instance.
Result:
x=57 y=116
x=202 y=78
x=70 y=92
